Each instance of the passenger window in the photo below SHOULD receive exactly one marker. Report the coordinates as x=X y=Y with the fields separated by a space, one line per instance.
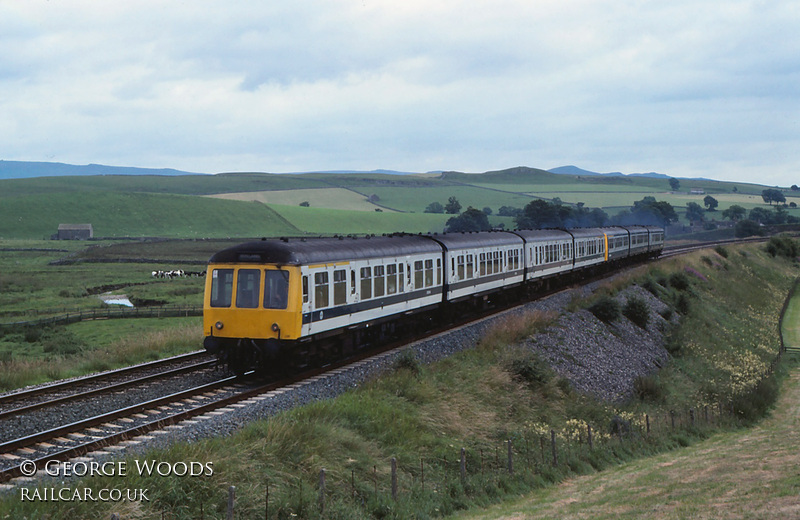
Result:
x=366 y=283
x=276 y=289
x=379 y=281
x=321 y=290
x=460 y=267
x=248 y=283
x=221 y=287
x=470 y=266
x=438 y=271
x=391 y=279
x=400 y=278
x=305 y=289
x=340 y=287
x=419 y=275
x=428 y=273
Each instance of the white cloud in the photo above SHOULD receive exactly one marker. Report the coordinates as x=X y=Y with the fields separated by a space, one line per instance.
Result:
x=685 y=88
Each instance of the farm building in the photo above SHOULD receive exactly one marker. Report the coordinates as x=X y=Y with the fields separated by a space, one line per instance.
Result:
x=74 y=232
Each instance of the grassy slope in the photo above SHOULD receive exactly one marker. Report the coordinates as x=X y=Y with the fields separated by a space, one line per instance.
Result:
x=115 y=214
x=473 y=400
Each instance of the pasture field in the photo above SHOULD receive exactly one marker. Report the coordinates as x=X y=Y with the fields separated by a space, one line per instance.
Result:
x=417 y=199
x=576 y=187
x=116 y=214
x=322 y=221
x=331 y=198
x=32 y=285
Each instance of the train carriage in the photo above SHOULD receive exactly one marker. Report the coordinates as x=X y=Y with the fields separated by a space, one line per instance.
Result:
x=590 y=247
x=548 y=252
x=639 y=239
x=477 y=263
x=617 y=243
x=655 y=240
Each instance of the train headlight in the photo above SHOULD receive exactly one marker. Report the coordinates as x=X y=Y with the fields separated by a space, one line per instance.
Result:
x=218 y=325
x=275 y=327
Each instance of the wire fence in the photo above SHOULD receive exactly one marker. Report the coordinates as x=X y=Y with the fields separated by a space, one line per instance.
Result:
x=172 y=311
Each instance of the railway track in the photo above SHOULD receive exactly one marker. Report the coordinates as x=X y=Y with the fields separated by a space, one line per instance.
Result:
x=113 y=431
x=27 y=400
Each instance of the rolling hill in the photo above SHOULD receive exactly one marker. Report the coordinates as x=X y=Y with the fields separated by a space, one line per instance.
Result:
x=184 y=205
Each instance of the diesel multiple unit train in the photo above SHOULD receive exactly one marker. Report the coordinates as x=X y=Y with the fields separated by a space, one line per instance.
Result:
x=278 y=301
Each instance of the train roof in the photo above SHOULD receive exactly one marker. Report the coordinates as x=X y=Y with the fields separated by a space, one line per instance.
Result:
x=477 y=239
x=542 y=234
x=304 y=251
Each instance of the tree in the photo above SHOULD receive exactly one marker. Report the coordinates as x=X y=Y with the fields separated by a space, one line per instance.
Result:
x=471 y=220
x=648 y=211
x=711 y=203
x=539 y=214
x=453 y=207
x=735 y=212
x=508 y=211
x=305 y=204
x=761 y=215
x=674 y=184
x=694 y=213
x=434 y=207
x=772 y=195
x=487 y=210
x=748 y=228
x=794 y=187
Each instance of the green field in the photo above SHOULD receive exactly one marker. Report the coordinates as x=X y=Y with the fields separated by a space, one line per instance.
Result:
x=256 y=204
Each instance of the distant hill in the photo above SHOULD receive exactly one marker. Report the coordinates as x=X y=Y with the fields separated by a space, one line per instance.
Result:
x=26 y=170
x=574 y=170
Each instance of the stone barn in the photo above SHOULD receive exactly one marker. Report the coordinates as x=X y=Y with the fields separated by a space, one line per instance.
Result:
x=74 y=232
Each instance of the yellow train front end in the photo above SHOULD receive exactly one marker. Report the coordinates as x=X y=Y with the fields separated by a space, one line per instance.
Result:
x=251 y=312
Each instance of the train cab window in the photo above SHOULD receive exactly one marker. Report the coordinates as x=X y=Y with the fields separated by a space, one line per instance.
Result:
x=380 y=281
x=221 y=287
x=276 y=289
x=305 y=289
x=248 y=285
x=470 y=266
x=340 y=287
x=419 y=275
x=428 y=273
x=391 y=279
x=366 y=283
x=321 y=290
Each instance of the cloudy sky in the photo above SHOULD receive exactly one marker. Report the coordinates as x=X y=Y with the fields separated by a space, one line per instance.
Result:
x=688 y=88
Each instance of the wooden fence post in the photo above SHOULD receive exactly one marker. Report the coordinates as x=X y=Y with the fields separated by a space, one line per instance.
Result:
x=510 y=459
x=589 y=436
x=394 y=478
x=553 y=447
x=231 y=501
x=647 y=423
x=322 y=491
x=463 y=465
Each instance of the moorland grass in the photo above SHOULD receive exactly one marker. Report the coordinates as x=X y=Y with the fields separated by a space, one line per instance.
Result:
x=422 y=415
x=41 y=355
